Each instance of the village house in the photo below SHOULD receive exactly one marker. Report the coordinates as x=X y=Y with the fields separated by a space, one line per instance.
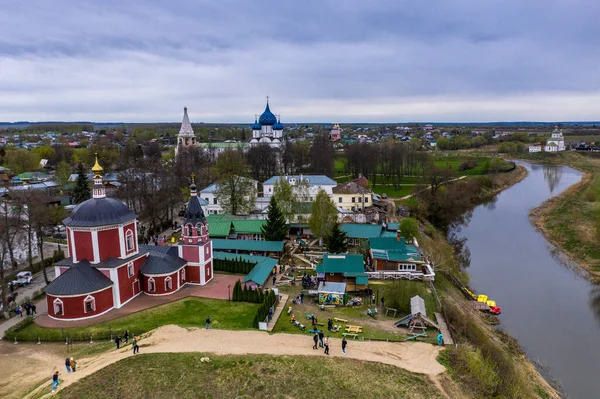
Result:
x=351 y=196
x=343 y=268
x=392 y=257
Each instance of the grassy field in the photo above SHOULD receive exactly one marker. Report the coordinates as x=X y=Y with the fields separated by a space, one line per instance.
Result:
x=188 y=312
x=397 y=294
x=249 y=376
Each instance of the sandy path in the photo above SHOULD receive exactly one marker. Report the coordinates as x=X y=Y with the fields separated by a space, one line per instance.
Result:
x=416 y=357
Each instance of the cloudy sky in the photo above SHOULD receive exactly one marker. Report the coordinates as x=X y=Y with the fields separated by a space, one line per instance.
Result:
x=318 y=60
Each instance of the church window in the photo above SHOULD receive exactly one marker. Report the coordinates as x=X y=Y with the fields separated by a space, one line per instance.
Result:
x=129 y=240
x=89 y=304
x=58 y=307
x=183 y=274
x=168 y=283
x=151 y=285
x=130 y=269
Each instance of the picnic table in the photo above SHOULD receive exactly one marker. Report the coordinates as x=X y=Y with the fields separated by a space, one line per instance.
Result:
x=354 y=329
x=350 y=335
x=340 y=320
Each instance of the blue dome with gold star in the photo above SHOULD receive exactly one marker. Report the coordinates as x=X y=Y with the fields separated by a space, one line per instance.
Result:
x=267 y=118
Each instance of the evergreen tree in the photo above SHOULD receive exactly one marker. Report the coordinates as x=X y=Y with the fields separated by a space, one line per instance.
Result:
x=336 y=240
x=237 y=289
x=244 y=294
x=276 y=228
x=81 y=191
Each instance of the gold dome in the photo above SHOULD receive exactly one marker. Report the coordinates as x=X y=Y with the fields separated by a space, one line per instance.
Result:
x=97 y=169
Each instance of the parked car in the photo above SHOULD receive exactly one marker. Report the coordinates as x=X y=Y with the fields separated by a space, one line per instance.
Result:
x=23 y=278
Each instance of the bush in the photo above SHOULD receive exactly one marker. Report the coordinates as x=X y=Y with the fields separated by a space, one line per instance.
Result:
x=467 y=165
x=478 y=372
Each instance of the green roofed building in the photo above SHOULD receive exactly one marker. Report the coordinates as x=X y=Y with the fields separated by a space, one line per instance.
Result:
x=358 y=233
x=344 y=268
x=236 y=227
x=258 y=276
x=392 y=256
x=249 y=246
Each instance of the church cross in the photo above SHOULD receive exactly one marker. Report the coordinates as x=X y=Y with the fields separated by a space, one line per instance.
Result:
x=193 y=176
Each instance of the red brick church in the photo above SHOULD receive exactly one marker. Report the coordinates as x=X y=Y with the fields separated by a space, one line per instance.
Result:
x=108 y=268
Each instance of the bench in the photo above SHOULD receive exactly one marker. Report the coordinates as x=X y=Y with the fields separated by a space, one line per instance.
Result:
x=340 y=320
x=350 y=335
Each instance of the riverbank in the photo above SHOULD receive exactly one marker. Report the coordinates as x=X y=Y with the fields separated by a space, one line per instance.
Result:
x=571 y=220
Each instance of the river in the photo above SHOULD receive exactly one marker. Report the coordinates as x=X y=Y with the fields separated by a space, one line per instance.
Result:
x=548 y=307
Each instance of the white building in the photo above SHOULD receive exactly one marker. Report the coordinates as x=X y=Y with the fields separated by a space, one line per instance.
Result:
x=535 y=148
x=186 y=137
x=209 y=201
x=312 y=184
x=267 y=129
x=556 y=142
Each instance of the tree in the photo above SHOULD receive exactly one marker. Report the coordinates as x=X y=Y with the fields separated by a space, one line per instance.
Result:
x=323 y=216
x=283 y=193
x=322 y=155
x=409 y=229
x=63 y=173
x=235 y=191
x=336 y=240
x=276 y=228
x=81 y=191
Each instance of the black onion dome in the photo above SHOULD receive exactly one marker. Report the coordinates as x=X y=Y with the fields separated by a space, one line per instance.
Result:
x=194 y=213
x=99 y=212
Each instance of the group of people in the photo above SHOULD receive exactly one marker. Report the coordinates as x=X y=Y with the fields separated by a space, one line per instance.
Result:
x=308 y=281
x=29 y=309
x=70 y=365
x=323 y=342
x=125 y=340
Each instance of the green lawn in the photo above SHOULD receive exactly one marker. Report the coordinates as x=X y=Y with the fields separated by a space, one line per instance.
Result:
x=391 y=193
x=187 y=312
x=483 y=164
x=397 y=294
x=169 y=375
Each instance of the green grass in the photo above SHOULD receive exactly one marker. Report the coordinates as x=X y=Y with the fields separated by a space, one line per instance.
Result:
x=391 y=193
x=483 y=164
x=381 y=328
x=249 y=376
x=187 y=312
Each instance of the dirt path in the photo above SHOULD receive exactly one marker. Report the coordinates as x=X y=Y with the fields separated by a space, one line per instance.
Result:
x=416 y=357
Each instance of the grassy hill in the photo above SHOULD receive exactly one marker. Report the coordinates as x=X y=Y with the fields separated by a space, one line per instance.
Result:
x=249 y=376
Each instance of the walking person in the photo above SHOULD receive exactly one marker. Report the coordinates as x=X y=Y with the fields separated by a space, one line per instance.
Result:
x=321 y=337
x=118 y=341
x=344 y=344
x=28 y=309
x=21 y=310
x=329 y=325
x=136 y=348
x=33 y=308
x=73 y=365
x=316 y=339
x=327 y=346
x=274 y=280
x=207 y=322
x=55 y=381
x=68 y=365
x=126 y=336
x=382 y=302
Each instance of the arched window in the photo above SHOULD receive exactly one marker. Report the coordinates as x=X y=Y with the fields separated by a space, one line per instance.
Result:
x=130 y=269
x=89 y=304
x=168 y=284
x=129 y=241
x=188 y=230
x=182 y=274
x=59 y=309
x=151 y=285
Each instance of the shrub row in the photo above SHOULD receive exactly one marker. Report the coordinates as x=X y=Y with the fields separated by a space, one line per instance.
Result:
x=243 y=294
x=263 y=310
x=233 y=265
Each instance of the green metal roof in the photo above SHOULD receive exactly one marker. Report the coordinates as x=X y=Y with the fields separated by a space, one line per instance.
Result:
x=393 y=226
x=342 y=263
x=229 y=256
x=219 y=228
x=217 y=217
x=247 y=245
x=362 y=280
x=390 y=248
x=260 y=273
x=365 y=231
x=248 y=226
x=388 y=234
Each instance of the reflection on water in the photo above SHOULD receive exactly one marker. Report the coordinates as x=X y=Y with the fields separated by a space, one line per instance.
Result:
x=552 y=174
x=595 y=302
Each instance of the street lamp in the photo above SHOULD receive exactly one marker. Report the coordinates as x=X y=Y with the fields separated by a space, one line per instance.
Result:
x=228 y=292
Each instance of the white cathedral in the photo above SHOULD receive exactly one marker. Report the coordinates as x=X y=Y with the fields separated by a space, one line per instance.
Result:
x=267 y=129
